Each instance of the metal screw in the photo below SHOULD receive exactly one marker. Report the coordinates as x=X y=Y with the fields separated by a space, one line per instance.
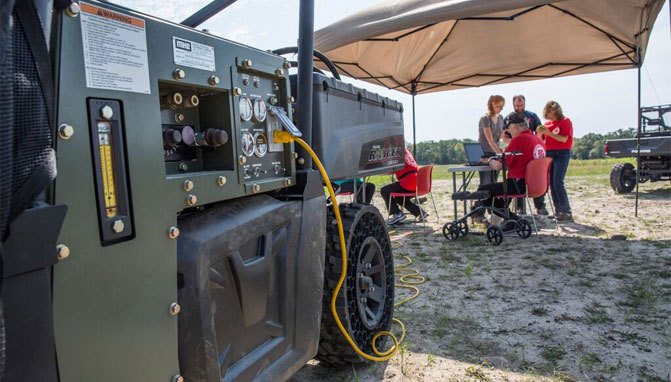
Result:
x=179 y=117
x=243 y=159
x=279 y=72
x=237 y=91
x=177 y=378
x=287 y=182
x=256 y=188
x=214 y=80
x=286 y=65
x=191 y=199
x=183 y=166
x=175 y=309
x=257 y=84
x=273 y=100
x=65 y=131
x=62 y=251
x=173 y=232
x=106 y=112
x=245 y=82
x=247 y=63
x=188 y=185
x=221 y=180
x=72 y=9
x=179 y=74
x=118 y=226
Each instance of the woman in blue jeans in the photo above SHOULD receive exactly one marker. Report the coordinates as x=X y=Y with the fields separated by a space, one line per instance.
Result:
x=558 y=136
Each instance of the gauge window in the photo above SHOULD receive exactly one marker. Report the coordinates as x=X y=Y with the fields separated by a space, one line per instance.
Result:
x=261 y=147
x=245 y=109
x=248 y=144
x=259 y=110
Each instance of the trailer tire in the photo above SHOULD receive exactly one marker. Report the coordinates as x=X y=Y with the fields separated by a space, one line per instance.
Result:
x=365 y=302
x=623 y=178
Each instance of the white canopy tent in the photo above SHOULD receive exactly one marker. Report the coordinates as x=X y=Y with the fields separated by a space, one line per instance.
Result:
x=422 y=46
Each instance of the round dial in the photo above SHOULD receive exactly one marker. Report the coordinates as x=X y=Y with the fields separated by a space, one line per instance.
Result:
x=245 y=108
x=261 y=144
x=247 y=144
x=259 y=110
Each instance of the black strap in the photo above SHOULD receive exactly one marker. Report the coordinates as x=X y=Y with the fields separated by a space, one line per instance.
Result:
x=406 y=174
x=32 y=28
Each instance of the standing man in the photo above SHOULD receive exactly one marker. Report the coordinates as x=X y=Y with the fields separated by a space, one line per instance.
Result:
x=519 y=104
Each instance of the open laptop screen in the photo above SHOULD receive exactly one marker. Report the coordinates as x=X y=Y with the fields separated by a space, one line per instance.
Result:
x=473 y=153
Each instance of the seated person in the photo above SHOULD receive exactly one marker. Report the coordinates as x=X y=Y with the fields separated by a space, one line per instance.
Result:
x=406 y=181
x=530 y=147
x=364 y=190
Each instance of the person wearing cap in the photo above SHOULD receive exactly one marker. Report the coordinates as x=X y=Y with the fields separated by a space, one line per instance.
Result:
x=489 y=133
x=529 y=147
x=558 y=136
x=519 y=106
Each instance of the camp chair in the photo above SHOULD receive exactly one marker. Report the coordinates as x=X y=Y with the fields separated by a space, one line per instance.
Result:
x=537 y=179
x=423 y=188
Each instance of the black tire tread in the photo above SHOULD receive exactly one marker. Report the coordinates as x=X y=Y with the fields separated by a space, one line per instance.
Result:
x=616 y=178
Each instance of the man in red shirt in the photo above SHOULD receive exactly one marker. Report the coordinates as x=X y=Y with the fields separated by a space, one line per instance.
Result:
x=406 y=181
x=528 y=146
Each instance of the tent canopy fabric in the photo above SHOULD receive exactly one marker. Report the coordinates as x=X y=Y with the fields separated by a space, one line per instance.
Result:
x=423 y=46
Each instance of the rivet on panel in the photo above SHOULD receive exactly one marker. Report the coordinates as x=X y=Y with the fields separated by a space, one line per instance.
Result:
x=301 y=161
x=183 y=166
x=191 y=199
x=247 y=63
x=179 y=117
x=179 y=74
x=175 y=309
x=279 y=72
x=72 y=9
x=237 y=91
x=118 y=226
x=214 y=80
x=256 y=188
x=106 y=112
x=62 y=251
x=188 y=185
x=243 y=159
x=287 y=182
x=286 y=64
x=221 y=180
x=177 y=378
x=65 y=131
x=173 y=232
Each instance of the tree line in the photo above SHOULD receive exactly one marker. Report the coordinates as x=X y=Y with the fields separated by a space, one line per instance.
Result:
x=451 y=151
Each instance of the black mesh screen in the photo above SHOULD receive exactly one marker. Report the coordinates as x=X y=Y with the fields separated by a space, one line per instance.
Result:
x=25 y=138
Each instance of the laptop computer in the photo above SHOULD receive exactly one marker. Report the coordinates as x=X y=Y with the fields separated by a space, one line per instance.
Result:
x=473 y=154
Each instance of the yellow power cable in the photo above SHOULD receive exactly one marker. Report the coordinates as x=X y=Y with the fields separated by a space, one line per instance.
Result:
x=285 y=137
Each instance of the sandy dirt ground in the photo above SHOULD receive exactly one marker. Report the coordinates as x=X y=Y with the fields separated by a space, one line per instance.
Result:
x=588 y=302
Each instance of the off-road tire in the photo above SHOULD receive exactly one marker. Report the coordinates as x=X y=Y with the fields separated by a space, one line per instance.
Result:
x=365 y=234
x=623 y=178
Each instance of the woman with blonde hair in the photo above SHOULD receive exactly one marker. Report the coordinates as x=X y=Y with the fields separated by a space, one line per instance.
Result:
x=490 y=128
x=558 y=136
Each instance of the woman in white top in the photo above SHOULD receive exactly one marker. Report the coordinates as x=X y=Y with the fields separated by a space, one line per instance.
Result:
x=490 y=129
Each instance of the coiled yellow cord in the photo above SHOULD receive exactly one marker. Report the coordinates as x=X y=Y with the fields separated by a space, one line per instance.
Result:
x=285 y=137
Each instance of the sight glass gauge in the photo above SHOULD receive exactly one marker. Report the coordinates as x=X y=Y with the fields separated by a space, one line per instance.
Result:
x=260 y=111
x=245 y=109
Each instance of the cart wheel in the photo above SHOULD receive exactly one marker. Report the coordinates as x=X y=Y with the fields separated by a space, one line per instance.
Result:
x=451 y=231
x=463 y=227
x=523 y=229
x=494 y=235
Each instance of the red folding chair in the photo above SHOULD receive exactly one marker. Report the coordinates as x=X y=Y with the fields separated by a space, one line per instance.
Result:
x=423 y=188
x=537 y=179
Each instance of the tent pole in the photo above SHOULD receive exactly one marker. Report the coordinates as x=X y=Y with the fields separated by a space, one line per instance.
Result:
x=414 y=138
x=638 y=135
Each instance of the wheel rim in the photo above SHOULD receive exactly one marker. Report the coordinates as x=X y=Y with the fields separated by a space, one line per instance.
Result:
x=494 y=235
x=371 y=282
x=524 y=229
x=463 y=228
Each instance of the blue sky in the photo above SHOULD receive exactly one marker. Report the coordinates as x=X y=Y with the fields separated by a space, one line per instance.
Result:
x=596 y=103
